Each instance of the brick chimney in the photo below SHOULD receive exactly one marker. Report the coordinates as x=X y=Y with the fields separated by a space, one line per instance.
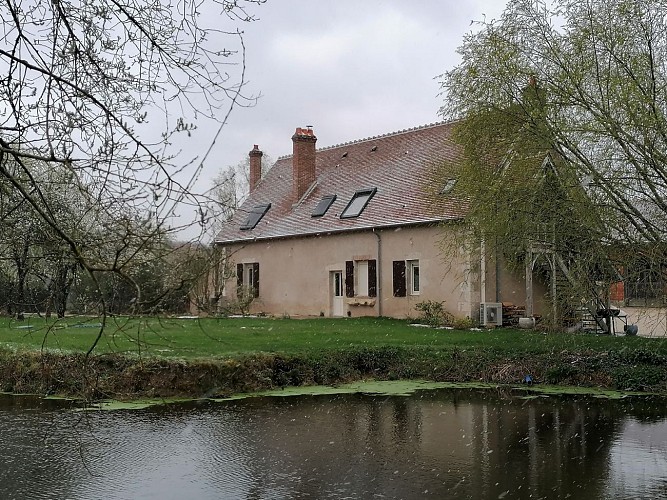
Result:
x=303 y=161
x=255 y=167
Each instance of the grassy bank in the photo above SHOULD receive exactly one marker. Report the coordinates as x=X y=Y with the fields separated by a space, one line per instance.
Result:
x=216 y=357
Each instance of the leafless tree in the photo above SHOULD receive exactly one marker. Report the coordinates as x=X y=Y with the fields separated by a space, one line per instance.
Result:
x=231 y=185
x=103 y=90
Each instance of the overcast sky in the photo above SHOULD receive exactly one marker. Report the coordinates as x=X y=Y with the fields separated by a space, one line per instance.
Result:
x=349 y=68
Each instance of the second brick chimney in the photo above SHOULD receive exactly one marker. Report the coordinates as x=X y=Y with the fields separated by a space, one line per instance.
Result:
x=255 y=167
x=303 y=161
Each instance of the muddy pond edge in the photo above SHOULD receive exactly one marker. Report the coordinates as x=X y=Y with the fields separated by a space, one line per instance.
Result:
x=121 y=378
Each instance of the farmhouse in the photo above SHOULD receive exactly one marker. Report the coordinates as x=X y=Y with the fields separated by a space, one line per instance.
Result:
x=358 y=229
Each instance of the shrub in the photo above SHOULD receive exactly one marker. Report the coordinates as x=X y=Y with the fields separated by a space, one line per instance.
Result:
x=368 y=360
x=240 y=304
x=463 y=323
x=560 y=373
x=433 y=313
x=640 y=356
x=638 y=377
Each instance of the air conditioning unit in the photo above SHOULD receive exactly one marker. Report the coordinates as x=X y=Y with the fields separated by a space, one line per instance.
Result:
x=491 y=314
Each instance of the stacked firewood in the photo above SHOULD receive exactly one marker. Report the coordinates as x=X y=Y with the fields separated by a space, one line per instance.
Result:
x=512 y=313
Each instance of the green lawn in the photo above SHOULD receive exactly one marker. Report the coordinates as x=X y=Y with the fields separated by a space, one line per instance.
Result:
x=219 y=338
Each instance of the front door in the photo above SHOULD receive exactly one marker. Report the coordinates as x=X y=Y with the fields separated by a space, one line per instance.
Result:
x=337 y=285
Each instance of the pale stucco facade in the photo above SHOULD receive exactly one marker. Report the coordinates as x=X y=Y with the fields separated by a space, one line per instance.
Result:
x=297 y=275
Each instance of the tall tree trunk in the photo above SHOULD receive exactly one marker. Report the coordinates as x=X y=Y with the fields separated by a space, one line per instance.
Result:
x=61 y=285
x=65 y=284
x=21 y=263
x=20 y=293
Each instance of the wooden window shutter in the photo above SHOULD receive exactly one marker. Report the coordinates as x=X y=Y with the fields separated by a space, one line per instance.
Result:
x=400 y=288
x=349 y=278
x=255 y=279
x=372 y=278
x=239 y=279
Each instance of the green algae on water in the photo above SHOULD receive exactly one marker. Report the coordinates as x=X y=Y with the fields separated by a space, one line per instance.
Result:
x=557 y=390
x=396 y=388
x=114 y=405
x=373 y=387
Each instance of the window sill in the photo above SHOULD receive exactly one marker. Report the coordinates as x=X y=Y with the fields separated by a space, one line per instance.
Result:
x=361 y=301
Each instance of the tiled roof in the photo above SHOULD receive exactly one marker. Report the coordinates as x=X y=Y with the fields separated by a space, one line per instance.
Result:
x=401 y=165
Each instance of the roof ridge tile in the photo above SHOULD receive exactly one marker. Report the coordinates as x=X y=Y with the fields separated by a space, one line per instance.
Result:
x=380 y=136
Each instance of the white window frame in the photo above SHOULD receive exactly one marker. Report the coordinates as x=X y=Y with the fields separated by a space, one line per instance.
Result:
x=248 y=276
x=361 y=278
x=412 y=267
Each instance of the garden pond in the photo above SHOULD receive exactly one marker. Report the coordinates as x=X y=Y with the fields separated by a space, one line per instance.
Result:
x=382 y=441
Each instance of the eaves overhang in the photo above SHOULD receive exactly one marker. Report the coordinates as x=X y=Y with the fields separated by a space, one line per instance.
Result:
x=330 y=232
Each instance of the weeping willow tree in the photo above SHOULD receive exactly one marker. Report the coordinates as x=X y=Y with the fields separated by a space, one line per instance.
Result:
x=561 y=110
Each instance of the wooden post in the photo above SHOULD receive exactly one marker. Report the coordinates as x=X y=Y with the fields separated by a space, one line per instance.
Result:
x=529 y=284
x=554 y=303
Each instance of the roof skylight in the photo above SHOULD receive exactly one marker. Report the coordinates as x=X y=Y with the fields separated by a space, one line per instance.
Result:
x=323 y=205
x=358 y=203
x=448 y=186
x=255 y=216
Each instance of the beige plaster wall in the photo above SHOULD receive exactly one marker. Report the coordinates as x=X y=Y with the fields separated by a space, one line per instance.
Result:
x=511 y=286
x=651 y=321
x=295 y=273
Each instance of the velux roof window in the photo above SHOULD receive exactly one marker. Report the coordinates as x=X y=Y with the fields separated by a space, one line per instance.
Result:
x=358 y=203
x=448 y=186
x=255 y=216
x=323 y=205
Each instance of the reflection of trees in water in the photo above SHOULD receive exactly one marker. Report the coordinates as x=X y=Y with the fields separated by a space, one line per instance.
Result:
x=646 y=409
x=319 y=446
x=543 y=448
x=37 y=453
x=481 y=447
x=449 y=444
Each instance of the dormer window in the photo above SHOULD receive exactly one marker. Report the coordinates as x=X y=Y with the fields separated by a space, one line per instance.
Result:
x=448 y=186
x=255 y=216
x=358 y=203
x=323 y=205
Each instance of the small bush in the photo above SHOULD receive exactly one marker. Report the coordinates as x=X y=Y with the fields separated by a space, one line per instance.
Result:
x=560 y=373
x=433 y=313
x=638 y=377
x=641 y=356
x=291 y=371
x=370 y=360
x=463 y=323
x=240 y=304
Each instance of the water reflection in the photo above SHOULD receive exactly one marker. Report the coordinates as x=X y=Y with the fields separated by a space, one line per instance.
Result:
x=439 y=444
